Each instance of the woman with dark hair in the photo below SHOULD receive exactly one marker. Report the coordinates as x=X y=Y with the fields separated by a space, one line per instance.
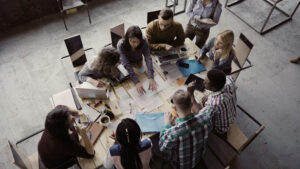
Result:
x=132 y=48
x=104 y=65
x=131 y=152
x=59 y=142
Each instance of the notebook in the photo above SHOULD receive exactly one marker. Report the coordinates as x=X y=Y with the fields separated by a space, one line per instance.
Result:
x=95 y=131
x=150 y=122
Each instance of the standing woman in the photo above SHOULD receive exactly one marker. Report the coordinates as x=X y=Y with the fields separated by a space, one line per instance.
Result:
x=220 y=51
x=131 y=152
x=132 y=49
x=104 y=65
x=202 y=9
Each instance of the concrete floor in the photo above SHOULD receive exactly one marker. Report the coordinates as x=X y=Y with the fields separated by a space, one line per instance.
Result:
x=30 y=72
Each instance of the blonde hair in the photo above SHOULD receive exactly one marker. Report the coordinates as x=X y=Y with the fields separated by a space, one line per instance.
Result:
x=227 y=37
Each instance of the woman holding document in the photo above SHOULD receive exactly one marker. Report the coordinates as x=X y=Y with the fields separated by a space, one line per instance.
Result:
x=203 y=14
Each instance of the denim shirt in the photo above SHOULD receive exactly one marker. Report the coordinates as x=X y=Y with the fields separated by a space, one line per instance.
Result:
x=197 y=9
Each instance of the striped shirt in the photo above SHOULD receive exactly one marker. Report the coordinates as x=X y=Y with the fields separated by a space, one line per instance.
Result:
x=184 y=143
x=222 y=106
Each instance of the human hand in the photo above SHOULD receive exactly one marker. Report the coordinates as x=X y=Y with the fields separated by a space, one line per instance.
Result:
x=168 y=118
x=168 y=47
x=191 y=87
x=140 y=88
x=217 y=55
x=81 y=130
x=152 y=84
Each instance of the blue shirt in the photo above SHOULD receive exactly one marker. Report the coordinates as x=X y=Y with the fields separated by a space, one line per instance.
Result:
x=197 y=9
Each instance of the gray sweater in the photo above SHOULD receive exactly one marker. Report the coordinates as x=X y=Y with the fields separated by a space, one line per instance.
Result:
x=86 y=72
x=128 y=57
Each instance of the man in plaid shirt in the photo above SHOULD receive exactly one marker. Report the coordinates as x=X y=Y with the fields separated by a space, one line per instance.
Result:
x=221 y=104
x=184 y=143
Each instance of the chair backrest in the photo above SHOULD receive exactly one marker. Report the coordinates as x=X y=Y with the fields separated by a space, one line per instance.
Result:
x=117 y=33
x=242 y=49
x=20 y=159
x=76 y=50
x=151 y=16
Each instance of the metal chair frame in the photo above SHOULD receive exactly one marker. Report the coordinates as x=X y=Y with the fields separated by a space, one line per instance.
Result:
x=174 y=4
x=262 y=31
x=62 y=10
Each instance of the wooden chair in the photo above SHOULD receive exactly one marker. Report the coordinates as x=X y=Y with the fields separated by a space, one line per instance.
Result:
x=65 y=5
x=76 y=53
x=242 y=49
x=20 y=160
x=151 y=16
x=174 y=3
x=227 y=150
x=116 y=33
x=33 y=161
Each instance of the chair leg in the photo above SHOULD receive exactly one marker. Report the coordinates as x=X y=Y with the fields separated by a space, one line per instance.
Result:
x=62 y=14
x=88 y=11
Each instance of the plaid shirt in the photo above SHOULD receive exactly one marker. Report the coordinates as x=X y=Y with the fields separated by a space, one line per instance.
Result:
x=222 y=106
x=184 y=143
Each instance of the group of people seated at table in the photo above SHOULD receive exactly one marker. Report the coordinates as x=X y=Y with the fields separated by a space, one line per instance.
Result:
x=183 y=140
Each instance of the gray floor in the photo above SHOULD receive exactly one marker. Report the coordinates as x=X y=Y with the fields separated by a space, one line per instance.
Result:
x=30 y=72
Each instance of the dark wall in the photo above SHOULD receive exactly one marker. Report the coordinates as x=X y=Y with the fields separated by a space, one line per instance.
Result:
x=16 y=12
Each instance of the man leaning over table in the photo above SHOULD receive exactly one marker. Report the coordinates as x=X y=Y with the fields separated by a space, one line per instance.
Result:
x=221 y=103
x=184 y=142
x=164 y=33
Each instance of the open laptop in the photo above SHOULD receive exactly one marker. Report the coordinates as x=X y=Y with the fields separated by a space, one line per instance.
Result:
x=88 y=91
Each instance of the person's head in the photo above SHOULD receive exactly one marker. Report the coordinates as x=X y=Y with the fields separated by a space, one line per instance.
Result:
x=182 y=101
x=108 y=57
x=59 y=121
x=224 y=40
x=128 y=134
x=165 y=19
x=215 y=80
x=133 y=38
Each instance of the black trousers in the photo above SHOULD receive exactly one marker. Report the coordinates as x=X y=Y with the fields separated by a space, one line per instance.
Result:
x=201 y=34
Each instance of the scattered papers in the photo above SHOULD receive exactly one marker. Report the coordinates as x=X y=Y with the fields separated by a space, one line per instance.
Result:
x=150 y=100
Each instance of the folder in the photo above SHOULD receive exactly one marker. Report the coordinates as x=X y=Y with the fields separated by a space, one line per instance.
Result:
x=194 y=67
x=150 y=122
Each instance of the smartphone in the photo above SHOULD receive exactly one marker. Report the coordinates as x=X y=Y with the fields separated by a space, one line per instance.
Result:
x=182 y=64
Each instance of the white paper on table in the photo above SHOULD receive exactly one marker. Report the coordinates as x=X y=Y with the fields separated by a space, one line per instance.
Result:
x=150 y=100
